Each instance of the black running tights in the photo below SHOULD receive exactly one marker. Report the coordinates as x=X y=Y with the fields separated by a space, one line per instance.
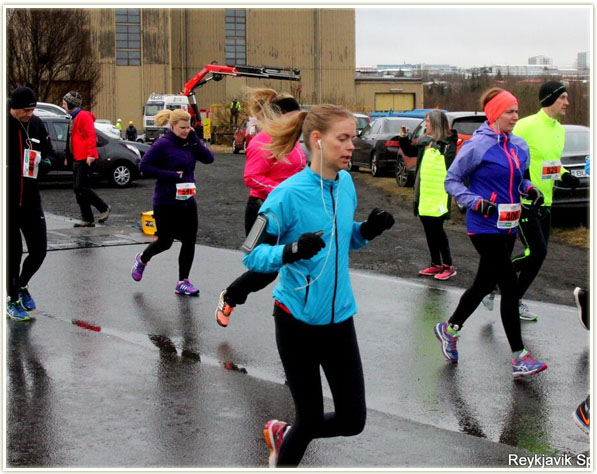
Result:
x=437 y=239
x=29 y=220
x=175 y=222
x=303 y=349
x=495 y=266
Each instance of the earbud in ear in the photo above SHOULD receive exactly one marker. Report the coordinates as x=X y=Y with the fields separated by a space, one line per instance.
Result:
x=319 y=143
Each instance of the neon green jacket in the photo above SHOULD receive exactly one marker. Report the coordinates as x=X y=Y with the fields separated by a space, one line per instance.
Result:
x=545 y=137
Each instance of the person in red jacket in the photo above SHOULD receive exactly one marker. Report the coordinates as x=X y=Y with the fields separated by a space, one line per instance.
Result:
x=82 y=146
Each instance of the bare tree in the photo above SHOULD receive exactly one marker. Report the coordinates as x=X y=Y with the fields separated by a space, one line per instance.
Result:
x=50 y=50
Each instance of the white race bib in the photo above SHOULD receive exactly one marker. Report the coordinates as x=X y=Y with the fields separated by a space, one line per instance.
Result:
x=551 y=170
x=31 y=160
x=508 y=215
x=185 y=191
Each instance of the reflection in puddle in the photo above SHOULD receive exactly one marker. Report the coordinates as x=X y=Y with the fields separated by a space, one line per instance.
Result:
x=233 y=367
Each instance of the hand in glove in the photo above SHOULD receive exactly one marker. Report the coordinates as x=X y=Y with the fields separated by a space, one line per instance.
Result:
x=535 y=196
x=485 y=207
x=570 y=180
x=376 y=223
x=307 y=245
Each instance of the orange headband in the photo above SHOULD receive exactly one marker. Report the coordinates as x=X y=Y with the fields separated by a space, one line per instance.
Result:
x=498 y=105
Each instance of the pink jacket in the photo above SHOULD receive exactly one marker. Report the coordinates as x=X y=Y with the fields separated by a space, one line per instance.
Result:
x=262 y=173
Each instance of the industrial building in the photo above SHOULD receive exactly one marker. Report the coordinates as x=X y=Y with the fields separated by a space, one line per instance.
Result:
x=157 y=50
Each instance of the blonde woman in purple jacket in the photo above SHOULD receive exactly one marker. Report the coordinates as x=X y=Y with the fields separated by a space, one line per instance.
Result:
x=171 y=160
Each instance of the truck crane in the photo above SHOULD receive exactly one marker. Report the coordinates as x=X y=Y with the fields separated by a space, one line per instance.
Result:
x=186 y=99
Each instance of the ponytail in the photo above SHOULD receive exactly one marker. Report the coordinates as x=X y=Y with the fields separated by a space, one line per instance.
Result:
x=285 y=132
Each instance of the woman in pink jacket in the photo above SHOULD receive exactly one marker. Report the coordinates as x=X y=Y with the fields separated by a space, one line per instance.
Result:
x=262 y=174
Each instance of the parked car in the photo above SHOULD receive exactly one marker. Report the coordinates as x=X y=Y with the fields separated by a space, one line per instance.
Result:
x=118 y=160
x=53 y=108
x=465 y=123
x=362 y=121
x=142 y=147
x=576 y=151
x=244 y=134
x=377 y=145
x=106 y=126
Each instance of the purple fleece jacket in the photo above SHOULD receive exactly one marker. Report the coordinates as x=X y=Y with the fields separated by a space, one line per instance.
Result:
x=168 y=155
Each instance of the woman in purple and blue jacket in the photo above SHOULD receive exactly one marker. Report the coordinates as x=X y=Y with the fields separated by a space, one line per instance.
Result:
x=493 y=164
x=171 y=160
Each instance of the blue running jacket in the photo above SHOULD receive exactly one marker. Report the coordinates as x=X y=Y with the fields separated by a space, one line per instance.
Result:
x=316 y=291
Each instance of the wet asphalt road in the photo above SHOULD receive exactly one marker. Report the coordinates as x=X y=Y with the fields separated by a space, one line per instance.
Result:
x=114 y=373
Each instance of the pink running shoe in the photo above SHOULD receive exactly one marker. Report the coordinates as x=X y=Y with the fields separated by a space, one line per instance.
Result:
x=447 y=272
x=432 y=270
x=138 y=268
x=274 y=432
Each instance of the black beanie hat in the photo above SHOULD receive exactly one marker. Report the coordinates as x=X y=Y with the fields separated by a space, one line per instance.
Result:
x=550 y=91
x=73 y=99
x=22 y=98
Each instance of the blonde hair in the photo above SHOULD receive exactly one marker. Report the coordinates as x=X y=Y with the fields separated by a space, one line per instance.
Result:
x=286 y=130
x=261 y=102
x=171 y=116
x=439 y=124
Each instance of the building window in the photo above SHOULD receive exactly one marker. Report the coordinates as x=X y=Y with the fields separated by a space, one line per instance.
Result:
x=128 y=37
x=236 y=37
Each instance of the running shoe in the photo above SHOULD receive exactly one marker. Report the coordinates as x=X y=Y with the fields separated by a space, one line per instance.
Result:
x=15 y=311
x=138 y=268
x=525 y=313
x=103 y=217
x=84 y=224
x=580 y=296
x=432 y=270
x=26 y=299
x=274 y=432
x=185 y=287
x=526 y=366
x=582 y=416
x=447 y=272
x=489 y=300
x=448 y=341
x=224 y=311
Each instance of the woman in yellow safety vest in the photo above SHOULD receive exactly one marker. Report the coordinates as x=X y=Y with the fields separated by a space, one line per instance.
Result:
x=435 y=152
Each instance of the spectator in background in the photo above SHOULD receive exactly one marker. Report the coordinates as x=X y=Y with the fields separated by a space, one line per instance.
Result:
x=235 y=108
x=435 y=153
x=119 y=126
x=82 y=144
x=27 y=140
x=131 y=132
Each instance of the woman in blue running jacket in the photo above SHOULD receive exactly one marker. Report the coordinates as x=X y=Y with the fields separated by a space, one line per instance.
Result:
x=310 y=231
x=493 y=163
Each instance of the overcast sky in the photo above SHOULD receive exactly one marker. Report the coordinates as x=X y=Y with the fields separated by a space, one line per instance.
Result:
x=471 y=36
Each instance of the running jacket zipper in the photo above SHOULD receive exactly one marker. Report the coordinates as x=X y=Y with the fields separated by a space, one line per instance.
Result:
x=511 y=158
x=307 y=289
x=335 y=229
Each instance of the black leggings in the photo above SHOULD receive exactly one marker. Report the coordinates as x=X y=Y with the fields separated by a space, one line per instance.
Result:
x=495 y=266
x=437 y=240
x=534 y=230
x=175 y=222
x=86 y=197
x=30 y=220
x=249 y=282
x=303 y=349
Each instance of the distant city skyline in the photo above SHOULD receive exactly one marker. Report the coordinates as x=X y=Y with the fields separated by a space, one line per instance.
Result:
x=469 y=36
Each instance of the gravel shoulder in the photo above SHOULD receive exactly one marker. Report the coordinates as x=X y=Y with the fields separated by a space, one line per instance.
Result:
x=400 y=252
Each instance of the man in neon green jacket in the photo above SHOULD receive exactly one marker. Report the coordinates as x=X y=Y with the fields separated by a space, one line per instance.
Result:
x=545 y=137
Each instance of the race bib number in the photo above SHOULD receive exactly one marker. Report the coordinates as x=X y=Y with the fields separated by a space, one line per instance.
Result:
x=185 y=191
x=508 y=215
x=551 y=170
x=31 y=160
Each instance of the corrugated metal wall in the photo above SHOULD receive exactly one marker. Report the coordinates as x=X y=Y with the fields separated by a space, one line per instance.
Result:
x=177 y=43
x=365 y=92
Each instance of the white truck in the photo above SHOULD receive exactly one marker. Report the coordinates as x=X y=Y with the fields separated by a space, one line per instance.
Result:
x=155 y=103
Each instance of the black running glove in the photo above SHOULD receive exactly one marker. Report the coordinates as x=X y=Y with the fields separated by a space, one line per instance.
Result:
x=307 y=245
x=570 y=180
x=485 y=207
x=376 y=223
x=535 y=196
